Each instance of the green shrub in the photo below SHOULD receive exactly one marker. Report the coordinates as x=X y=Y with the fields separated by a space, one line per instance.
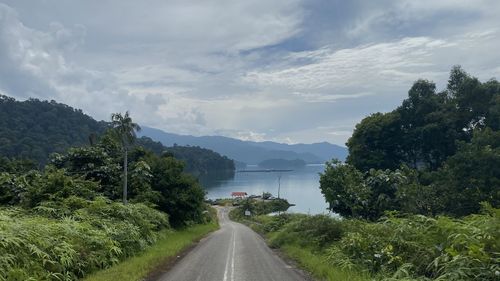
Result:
x=411 y=247
x=441 y=248
x=91 y=235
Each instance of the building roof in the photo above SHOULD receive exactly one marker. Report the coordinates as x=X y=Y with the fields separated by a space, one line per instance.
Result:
x=238 y=193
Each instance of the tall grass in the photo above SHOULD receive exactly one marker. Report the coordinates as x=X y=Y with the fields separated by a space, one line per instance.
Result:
x=51 y=243
x=395 y=248
x=169 y=244
x=318 y=265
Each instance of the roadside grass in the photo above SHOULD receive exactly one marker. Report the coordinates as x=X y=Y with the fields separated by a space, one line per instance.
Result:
x=318 y=267
x=314 y=263
x=168 y=245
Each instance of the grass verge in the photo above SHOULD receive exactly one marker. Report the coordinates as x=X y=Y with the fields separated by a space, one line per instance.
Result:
x=318 y=267
x=311 y=261
x=168 y=245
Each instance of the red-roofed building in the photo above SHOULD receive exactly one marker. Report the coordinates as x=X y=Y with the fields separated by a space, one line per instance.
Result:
x=238 y=194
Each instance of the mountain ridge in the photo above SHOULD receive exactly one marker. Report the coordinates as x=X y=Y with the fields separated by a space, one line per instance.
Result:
x=251 y=152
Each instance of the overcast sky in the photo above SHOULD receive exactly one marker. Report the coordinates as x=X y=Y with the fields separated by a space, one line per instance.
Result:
x=289 y=71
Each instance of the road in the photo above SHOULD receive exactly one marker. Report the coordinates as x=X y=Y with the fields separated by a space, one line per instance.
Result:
x=232 y=253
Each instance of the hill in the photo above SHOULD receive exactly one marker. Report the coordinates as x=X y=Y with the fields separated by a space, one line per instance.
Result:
x=34 y=129
x=252 y=152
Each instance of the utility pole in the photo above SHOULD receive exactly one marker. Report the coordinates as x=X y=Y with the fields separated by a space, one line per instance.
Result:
x=279 y=185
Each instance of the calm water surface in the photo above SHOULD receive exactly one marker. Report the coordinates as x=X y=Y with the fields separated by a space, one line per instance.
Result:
x=300 y=187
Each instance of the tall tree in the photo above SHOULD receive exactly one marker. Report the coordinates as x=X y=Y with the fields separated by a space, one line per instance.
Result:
x=125 y=131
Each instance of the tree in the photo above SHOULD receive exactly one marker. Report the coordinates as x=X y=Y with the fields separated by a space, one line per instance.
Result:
x=423 y=132
x=351 y=193
x=34 y=129
x=125 y=131
x=375 y=142
x=100 y=163
x=181 y=196
x=344 y=190
x=472 y=175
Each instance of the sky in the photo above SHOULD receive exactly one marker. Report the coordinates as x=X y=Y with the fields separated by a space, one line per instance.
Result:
x=289 y=71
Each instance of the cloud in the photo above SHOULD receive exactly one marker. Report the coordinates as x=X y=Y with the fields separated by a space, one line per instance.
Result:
x=329 y=74
x=262 y=70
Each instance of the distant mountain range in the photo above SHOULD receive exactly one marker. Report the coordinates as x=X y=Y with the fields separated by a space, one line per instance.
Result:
x=251 y=152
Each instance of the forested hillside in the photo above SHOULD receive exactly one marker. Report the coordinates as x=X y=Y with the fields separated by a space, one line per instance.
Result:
x=66 y=220
x=201 y=161
x=34 y=129
x=198 y=161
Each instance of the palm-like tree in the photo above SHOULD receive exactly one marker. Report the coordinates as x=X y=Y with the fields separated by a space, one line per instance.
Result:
x=125 y=131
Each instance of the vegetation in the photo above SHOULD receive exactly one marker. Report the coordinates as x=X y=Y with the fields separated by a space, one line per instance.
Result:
x=438 y=153
x=201 y=161
x=168 y=246
x=260 y=207
x=124 y=130
x=412 y=247
x=65 y=240
x=32 y=130
x=427 y=128
x=419 y=195
x=282 y=164
x=63 y=222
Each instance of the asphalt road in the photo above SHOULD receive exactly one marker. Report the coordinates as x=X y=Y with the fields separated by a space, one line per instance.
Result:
x=232 y=253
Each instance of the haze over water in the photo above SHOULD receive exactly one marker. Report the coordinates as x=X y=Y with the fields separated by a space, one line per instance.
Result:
x=300 y=187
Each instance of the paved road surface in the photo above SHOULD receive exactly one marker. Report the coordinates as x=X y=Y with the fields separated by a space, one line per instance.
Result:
x=233 y=253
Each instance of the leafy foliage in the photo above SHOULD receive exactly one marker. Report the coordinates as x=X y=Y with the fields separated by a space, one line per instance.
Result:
x=62 y=222
x=397 y=248
x=96 y=235
x=181 y=196
x=424 y=130
x=201 y=161
x=437 y=153
x=472 y=175
x=34 y=129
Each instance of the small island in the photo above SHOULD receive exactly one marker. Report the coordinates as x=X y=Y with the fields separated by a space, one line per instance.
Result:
x=282 y=164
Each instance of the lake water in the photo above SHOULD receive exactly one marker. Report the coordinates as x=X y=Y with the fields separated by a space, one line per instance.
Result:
x=300 y=187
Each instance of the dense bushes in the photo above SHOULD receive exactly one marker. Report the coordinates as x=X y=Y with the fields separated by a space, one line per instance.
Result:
x=157 y=180
x=261 y=207
x=34 y=187
x=466 y=179
x=305 y=230
x=60 y=227
x=424 y=130
x=352 y=193
x=437 y=153
x=63 y=222
x=397 y=248
x=66 y=240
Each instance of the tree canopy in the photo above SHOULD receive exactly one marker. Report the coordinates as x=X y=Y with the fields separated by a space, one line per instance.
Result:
x=424 y=131
x=437 y=153
x=32 y=130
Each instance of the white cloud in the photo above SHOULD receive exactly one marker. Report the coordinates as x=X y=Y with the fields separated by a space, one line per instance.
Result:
x=208 y=67
x=376 y=69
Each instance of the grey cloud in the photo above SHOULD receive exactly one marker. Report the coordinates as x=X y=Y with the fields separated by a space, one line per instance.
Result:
x=281 y=70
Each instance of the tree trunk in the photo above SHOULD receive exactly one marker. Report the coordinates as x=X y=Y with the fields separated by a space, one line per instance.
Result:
x=125 y=169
